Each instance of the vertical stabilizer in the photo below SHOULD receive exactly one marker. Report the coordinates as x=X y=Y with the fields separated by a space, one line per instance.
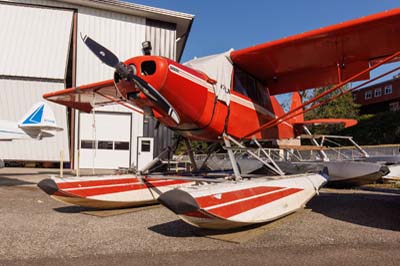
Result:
x=286 y=129
x=296 y=102
x=40 y=117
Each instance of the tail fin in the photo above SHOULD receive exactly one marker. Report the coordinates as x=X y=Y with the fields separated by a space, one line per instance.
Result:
x=285 y=130
x=296 y=102
x=39 y=118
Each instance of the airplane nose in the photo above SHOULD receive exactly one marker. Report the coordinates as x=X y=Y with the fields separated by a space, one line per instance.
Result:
x=48 y=185
x=178 y=201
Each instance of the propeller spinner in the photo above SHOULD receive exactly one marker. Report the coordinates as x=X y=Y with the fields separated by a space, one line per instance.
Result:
x=110 y=59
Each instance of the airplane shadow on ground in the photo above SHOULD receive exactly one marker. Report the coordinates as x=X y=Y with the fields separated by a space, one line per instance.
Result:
x=376 y=210
x=178 y=228
x=8 y=182
x=73 y=209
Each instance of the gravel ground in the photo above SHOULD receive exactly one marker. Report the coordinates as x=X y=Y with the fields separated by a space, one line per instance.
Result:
x=345 y=227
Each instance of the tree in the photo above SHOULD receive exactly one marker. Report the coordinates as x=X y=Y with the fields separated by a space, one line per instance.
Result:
x=375 y=129
x=341 y=107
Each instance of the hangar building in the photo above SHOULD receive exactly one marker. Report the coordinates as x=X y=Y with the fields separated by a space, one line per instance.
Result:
x=41 y=51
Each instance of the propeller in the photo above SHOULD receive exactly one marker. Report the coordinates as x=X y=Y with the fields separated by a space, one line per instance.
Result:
x=125 y=72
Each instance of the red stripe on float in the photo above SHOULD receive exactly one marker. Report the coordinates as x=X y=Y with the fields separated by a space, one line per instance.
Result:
x=245 y=205
x=86 y=192
x=94 y=183
x=211 y=200
x=105 y=182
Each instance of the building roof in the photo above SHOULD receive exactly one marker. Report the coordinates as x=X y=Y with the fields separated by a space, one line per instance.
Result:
x=183 y=21
x=375 y=85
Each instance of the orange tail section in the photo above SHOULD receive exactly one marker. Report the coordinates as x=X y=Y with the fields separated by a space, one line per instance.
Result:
x=294 y=126
x=298 y=121
x=296 y=102
x=285 y=130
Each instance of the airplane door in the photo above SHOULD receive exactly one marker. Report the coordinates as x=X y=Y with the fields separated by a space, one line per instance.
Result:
x=145 y=151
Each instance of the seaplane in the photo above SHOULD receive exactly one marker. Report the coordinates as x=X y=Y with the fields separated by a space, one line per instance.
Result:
x=38 y=123
x=353 y=154
x=230 y=98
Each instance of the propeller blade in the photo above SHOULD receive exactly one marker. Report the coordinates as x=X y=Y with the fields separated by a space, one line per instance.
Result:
x=110 y=59
x=156 y=97
x=105 y=55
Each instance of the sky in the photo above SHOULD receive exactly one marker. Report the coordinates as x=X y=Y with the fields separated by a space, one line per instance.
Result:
x=220 y=24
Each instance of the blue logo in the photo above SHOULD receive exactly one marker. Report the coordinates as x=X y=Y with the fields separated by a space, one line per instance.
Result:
x=35 y=117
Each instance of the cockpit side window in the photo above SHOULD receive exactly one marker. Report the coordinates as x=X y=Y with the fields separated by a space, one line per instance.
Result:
x=241 y=82
x=250 y=87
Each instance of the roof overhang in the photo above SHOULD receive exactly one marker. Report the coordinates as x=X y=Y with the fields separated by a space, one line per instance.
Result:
x=183 y=21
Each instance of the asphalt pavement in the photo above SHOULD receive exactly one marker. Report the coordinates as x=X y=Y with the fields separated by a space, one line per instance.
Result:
x=341 y=227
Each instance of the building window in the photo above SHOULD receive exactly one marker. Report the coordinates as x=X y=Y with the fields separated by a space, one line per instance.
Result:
x=146 y=146
x=378 y=92
x=368 y=95
x=388 y=89
x=105 y=145
x=88 y=144
x=121 y=145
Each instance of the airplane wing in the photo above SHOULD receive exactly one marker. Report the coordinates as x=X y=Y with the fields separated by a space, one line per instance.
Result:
x=311 y=59
x=85 y=97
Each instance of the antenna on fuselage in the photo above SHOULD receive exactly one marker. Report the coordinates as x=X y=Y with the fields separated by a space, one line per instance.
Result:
x=146 y=47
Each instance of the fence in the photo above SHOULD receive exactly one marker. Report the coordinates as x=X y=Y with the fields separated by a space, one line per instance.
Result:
x=336 y=153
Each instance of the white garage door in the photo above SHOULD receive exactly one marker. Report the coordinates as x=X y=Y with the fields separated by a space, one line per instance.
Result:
x=105 y=140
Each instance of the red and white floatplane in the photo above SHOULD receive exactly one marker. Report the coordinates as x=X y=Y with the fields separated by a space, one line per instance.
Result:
x=230 y=97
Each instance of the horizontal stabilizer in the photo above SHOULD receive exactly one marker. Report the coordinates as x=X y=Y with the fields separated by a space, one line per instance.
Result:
x=328 y=121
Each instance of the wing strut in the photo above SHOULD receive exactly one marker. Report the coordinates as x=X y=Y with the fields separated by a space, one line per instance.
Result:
x=292 y=113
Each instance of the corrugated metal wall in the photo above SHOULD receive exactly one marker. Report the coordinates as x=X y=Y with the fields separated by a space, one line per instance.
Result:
x=121 y=34
x=162 y=36
x=16 y=98
x=163 y=136
x=34 y=43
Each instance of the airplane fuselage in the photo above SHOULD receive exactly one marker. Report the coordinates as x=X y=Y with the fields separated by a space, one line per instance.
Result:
x=192 y=94
x=9 y=130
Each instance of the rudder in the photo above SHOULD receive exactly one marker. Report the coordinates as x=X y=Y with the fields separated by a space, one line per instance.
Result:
x=296 y=102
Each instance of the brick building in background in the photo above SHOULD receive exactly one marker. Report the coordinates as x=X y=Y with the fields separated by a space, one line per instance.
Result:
x=380 y=97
